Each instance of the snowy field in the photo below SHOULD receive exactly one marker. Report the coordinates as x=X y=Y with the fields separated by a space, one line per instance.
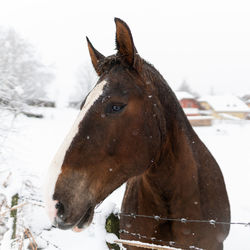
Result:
x=26 y=152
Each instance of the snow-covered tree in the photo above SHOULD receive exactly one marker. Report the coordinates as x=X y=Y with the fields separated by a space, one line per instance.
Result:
x=22 y=75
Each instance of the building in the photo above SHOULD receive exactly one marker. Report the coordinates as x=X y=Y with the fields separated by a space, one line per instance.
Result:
x=225 y=106
x=192 y=109
x=188 y=103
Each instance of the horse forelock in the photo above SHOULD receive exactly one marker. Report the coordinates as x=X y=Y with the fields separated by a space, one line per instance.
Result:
x=107 y=63
x=158 y=86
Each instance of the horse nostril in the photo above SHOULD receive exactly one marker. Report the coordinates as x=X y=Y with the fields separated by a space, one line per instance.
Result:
x=60 y=209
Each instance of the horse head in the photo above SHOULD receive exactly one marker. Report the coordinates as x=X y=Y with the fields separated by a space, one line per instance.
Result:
x=117 y=135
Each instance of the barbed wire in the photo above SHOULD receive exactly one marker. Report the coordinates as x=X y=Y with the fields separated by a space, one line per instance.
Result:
x=40 y=203
x=183 y=220
x=155 y=217
x=27 y=232
x=2 y=214
x=153 y=239
x=37 y=202
x=49 y=242
x=32 y=201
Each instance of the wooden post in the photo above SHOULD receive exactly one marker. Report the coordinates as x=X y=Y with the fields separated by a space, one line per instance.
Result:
x=13 y=214
x=144 y=245
x=112 y=226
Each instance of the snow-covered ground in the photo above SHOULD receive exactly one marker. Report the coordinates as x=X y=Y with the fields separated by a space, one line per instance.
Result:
x=230 y=144
x=27 y=151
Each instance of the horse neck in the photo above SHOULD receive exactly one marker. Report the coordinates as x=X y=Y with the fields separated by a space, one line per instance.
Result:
x=175 y=176
x=174 y=180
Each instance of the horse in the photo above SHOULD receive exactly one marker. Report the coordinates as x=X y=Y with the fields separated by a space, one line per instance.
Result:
x=131 y=129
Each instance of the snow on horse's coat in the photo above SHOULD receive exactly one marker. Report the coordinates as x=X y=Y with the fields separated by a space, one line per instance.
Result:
x=133 y=124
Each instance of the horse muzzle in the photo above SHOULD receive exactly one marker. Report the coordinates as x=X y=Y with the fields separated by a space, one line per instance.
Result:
x=63 y=222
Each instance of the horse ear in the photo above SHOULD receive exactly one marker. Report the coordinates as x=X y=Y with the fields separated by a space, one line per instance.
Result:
x=95 y=56
x=124 y=42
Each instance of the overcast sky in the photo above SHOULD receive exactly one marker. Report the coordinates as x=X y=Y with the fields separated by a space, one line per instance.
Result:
x=206 y=43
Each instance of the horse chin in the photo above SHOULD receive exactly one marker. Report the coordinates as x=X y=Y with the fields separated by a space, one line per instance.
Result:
x=76 y=229
x=84 y=221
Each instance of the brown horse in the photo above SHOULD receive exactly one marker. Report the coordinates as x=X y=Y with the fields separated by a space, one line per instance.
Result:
x=131 y=128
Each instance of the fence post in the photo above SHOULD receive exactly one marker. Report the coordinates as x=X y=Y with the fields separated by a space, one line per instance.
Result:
x=145 y=245
x=112 y=226
x=13 y=214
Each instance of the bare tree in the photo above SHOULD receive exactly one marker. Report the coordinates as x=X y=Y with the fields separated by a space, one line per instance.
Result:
x=22 y=75
x=186 y=87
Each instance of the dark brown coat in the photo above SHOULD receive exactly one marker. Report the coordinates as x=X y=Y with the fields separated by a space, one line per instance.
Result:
x=150 y=144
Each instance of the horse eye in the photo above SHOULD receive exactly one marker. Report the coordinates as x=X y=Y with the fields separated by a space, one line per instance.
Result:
x=115 y=108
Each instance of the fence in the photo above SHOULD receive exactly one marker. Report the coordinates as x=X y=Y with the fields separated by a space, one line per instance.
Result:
x=143 y=245
x=181 y=220
x=156 y=243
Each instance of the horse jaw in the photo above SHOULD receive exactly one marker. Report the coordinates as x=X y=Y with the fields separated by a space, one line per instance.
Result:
x=56 y=164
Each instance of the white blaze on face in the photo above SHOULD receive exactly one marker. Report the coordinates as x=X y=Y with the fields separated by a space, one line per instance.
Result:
x=55 y=167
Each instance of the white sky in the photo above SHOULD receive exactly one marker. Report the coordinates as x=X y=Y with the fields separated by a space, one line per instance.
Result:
x=207 y=43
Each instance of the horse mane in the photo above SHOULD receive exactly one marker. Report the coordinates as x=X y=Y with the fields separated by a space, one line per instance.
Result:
x=107 y=63
x=167 y=97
